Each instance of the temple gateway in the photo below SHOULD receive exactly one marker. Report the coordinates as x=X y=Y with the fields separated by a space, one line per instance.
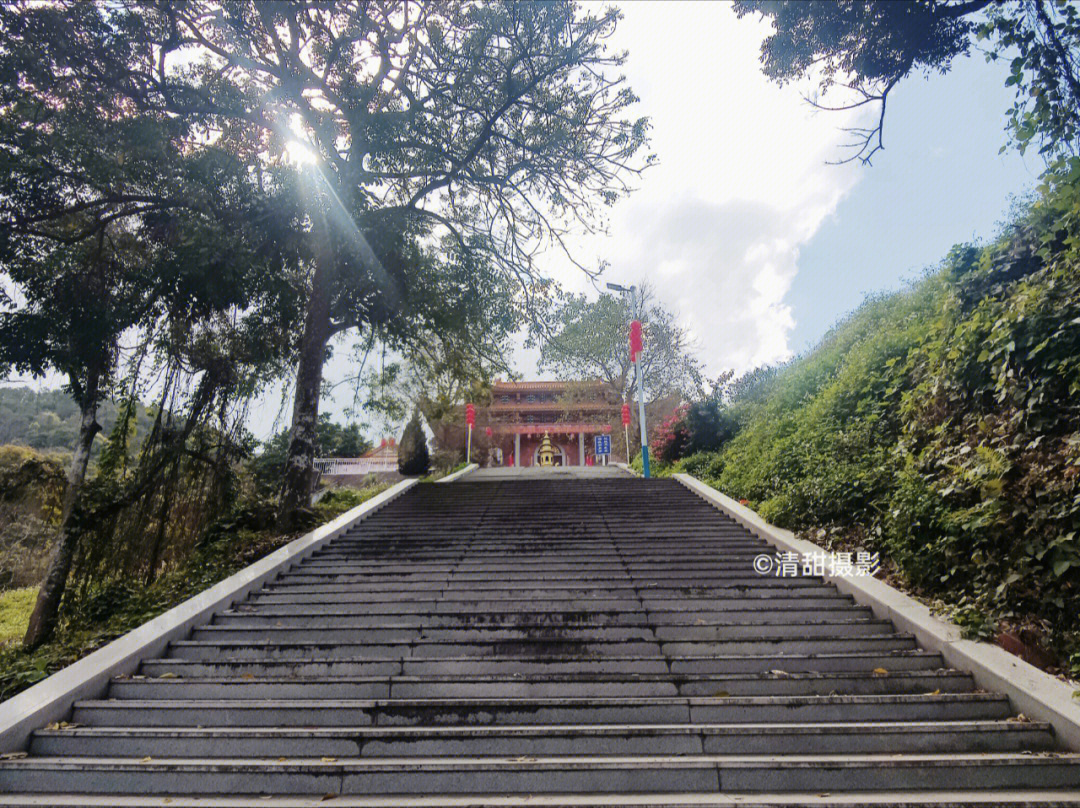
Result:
x=569 y=414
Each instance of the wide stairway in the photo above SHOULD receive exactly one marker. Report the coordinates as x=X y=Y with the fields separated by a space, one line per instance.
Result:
x=600 y=641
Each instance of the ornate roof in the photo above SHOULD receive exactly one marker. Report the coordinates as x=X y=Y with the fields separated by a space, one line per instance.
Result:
x=511 y=387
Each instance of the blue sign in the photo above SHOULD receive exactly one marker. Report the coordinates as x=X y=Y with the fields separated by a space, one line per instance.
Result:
x=603 y=444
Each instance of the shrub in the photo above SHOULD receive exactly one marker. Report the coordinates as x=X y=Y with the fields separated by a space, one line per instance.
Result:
x=413 y=458
x=939 y=425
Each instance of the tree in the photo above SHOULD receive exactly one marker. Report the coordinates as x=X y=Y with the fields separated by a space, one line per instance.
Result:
x=438 y=377
x=590 y=340
x=112 y=226
x=334 y=440
x=413 y=458
x=494 y=125
x=867 y=48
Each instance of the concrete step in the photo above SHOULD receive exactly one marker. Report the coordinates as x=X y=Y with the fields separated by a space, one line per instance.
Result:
x=531 y=620
x=592 y=642
x=544 y=774
x=533 y=648
x=326 y=604
x=1025 y=798
x=625 y=710
x=673 y=579
x=561 y=591
x=470 y=666
x=671 y=739
x=539 y=686
x=344 y=632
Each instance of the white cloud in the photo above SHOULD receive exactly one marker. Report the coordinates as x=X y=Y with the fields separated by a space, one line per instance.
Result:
x=742 y=181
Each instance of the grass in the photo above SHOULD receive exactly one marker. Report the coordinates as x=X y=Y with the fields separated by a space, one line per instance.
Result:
x=15 y=608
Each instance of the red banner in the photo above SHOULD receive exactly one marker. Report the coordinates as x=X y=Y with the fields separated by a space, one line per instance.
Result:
x=635 y=340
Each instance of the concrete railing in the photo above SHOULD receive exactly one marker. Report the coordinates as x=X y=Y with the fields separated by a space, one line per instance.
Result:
x=1036 y=694
x=52 y=699
x=330 y=466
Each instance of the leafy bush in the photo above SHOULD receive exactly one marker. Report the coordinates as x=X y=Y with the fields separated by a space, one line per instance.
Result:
x=694 y=427
x=101 y=613
x=413 y=458
x=940 y=426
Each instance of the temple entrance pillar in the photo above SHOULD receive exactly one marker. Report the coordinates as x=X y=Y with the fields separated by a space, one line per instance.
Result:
x=581 y=448
x=517 y=449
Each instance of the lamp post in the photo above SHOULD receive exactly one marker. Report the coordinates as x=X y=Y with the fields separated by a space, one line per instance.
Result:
x=470 y=421
x=626 y=428
x=635 y=357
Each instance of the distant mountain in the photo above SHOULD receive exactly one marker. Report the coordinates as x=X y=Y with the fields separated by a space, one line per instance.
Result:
x=48 y=420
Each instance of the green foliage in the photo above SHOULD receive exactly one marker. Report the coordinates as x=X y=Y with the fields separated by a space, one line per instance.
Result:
x=590 y=341
x=31 y=489
x=413 y=458
x=339 y=500
x=868 y=48
x=698 y=426
x=15 y=607
x=106 y=611
x=334 y=440
x=939 y=426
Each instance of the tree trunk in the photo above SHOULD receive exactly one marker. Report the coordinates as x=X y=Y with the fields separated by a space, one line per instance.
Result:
x=299 y=465
x=47 y=609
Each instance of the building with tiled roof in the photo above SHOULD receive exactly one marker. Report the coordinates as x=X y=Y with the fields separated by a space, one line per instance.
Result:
x=570 y=413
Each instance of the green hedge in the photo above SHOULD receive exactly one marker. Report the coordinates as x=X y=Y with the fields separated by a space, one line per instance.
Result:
x=941 y=426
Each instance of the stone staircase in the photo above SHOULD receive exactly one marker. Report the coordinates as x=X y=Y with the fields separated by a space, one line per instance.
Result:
x=565 y=642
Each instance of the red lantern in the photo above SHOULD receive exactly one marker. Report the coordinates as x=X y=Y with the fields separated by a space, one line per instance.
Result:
x=635 y=340
x=470 y=415
x=487 y=431
x=626 y=415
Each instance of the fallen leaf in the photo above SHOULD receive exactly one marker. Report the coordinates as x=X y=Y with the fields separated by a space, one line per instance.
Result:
x=880 y=672
x=146 y=759
x=329 y=760
x=168 y=675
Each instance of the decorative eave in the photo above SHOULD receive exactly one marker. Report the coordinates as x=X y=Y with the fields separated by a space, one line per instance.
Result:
x=547 y=406
x=553 y=385
x=552 y=428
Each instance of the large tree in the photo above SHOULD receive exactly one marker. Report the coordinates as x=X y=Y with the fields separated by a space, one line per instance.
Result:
x=589 y=339
x=114 y=230
x=498 y=125
x=866 y=48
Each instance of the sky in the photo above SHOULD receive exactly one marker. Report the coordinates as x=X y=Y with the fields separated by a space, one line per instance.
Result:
x=744 y=229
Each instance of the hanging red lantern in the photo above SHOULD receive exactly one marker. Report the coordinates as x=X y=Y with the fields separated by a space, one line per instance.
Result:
x=470 y=415
x=487 y=431
x=626 y=415
x=635 y=340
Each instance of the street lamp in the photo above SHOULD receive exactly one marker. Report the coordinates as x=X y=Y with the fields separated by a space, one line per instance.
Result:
x=632 y=291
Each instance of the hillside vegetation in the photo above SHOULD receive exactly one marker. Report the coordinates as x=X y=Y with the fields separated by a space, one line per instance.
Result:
x=940 y=426
x=102 y=612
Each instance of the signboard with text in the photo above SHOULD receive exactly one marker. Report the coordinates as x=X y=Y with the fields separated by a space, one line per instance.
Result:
x=603 y=445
